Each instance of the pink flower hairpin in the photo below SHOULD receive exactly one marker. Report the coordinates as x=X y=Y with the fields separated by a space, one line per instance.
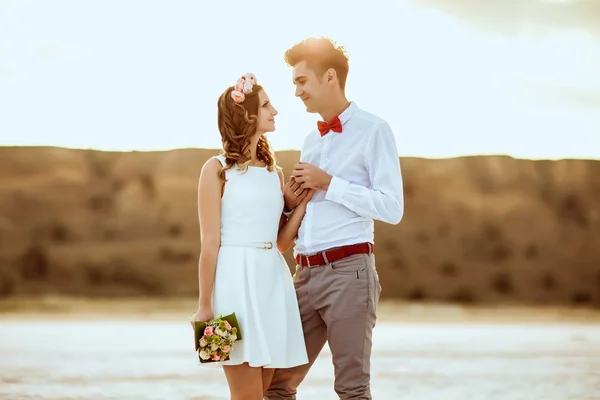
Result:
x=243 y=86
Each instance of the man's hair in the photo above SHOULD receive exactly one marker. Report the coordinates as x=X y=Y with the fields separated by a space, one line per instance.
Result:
x=320 y=54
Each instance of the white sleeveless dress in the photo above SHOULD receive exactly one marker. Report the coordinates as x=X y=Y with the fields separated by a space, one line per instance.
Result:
x=252 y=278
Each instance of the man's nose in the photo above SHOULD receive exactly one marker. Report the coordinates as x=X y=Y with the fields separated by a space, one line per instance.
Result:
x=298 y=92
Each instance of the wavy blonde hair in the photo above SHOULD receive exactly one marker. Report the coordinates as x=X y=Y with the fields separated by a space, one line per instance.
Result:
x=237 y=124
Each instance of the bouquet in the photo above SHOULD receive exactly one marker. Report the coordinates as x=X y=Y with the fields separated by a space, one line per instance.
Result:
x=215 y=339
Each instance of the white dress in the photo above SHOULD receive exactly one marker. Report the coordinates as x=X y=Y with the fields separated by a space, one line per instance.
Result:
x=254 y=281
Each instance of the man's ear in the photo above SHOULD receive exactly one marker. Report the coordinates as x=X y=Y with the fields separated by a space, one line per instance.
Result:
x=331 y=75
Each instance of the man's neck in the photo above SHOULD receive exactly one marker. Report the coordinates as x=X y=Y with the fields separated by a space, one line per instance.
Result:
x=336 y=107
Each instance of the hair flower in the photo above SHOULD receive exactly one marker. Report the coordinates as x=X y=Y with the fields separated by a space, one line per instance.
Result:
x=243 y=86
x=239 y=86
x=250 y=78
x=238 y=96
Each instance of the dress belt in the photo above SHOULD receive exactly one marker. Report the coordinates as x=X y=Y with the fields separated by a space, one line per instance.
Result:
x=257 y=245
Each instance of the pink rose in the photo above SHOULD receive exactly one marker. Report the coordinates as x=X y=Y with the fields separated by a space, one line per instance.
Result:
x=238 y=96
x=247 y=87
x=215 y=357
x=208 y=331
x=239 y=86
x=227 y=326
x=226 y=348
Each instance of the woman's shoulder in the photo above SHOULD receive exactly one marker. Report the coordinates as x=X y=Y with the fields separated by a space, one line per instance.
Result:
x=214 y=163
x=212 y=166
x=279 y=171
x=220 y=158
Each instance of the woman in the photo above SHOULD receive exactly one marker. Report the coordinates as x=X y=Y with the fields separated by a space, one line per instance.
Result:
x=244 y=232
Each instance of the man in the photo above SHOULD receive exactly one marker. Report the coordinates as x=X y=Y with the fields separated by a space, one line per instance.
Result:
x=352 y=161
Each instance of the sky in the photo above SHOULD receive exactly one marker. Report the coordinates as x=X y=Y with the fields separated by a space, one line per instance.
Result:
x=514 y=77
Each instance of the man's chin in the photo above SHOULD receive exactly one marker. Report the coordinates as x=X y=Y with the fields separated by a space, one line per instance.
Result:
x=310 y=109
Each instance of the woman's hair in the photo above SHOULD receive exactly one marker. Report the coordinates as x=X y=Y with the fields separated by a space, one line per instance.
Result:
x=238 y=120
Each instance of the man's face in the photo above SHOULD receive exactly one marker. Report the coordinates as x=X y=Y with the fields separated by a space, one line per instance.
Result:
x=311 y=87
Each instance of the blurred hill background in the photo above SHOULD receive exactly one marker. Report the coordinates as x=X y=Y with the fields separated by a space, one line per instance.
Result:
x=476 y=229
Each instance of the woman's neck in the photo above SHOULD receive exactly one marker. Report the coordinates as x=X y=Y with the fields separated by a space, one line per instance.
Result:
x=254 y=160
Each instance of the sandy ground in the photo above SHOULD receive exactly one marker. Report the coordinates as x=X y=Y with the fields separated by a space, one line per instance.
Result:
x=176 y=309
x=142 y=349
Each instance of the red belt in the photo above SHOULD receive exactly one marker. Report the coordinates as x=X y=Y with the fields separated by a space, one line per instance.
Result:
x=334 y=254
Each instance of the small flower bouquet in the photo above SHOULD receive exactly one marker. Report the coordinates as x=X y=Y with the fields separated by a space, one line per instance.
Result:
x=216 y=339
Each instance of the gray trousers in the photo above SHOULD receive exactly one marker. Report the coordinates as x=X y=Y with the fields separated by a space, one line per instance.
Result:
x=338 y=304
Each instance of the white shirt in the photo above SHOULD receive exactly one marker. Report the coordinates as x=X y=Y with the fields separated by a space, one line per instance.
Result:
x=366 y=184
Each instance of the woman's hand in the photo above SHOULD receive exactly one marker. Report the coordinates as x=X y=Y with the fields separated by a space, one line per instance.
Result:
x=293 y=194
x=204 y=314
x=307 y=196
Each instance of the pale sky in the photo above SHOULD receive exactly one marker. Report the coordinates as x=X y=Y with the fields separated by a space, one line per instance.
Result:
x=503 y=77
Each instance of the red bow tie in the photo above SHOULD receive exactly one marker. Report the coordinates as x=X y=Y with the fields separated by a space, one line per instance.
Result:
x=333 y=125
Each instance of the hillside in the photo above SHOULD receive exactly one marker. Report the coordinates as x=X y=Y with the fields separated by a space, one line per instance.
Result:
x=476 y=229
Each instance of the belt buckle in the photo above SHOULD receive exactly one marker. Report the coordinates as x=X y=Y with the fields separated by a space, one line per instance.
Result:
x=302 y=257
x=268 y=245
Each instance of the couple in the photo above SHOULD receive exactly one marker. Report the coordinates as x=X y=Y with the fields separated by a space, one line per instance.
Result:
x=348 y=176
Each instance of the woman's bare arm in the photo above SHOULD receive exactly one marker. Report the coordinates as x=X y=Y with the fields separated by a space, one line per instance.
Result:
x=209 y=215
x=288 y=230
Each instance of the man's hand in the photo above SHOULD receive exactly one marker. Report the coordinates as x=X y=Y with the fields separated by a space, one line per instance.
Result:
x=293 y=194
x=311 y=177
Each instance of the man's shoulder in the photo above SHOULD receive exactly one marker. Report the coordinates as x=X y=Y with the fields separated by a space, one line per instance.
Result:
x=368 y=118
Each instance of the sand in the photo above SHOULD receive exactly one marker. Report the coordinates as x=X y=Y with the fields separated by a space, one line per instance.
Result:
x=141 y=349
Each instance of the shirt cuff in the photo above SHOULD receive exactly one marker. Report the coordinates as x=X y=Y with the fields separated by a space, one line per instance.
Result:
x=337 y=188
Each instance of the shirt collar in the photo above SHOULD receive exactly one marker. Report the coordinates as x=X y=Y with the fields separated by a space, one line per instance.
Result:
x=347 y=113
